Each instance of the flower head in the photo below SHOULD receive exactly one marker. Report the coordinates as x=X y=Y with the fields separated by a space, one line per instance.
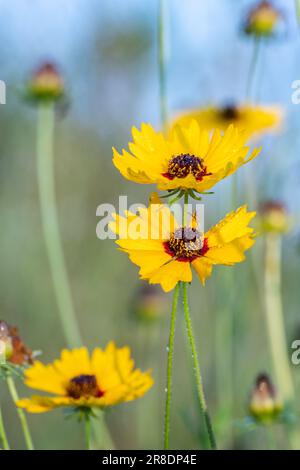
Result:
x=263 y=19
x=265 y=405
x=252 y=119
x=79 y=380
x=46 y=84
x=274 y=217
x=166 y=251
x=16 y=351
x=189 y=158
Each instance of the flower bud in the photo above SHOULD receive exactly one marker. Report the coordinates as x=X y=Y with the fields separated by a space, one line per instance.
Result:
x=150 y=302
x=265 y=405
x=46 y=84
x=263 y=20
x=16 y=351
x=5 y=340
x=274 y=217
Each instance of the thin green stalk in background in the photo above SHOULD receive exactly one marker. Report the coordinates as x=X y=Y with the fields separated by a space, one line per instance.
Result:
x=87 y=430
x=197 y=372
x=3 y=437
x=252 y=68
x=46 y=180
x=50 y=222
x=24 y=425
x=274 y=317
x=170 y=368
x=162 y=62
x=297 y=6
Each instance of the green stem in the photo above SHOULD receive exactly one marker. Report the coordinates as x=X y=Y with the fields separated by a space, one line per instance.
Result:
x=50 y=223
x=87 y=429
x=46 y=180
x=297 y=6
x=3 y=437
x=22 y=417
x=170 y=368
x=252 y=68
x=197 y=372
x=274 y=317
x=162 y=60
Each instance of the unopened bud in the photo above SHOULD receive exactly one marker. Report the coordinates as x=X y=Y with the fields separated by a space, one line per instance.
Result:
x=150 y=303
x=265 y=405
x=46 y=84
x=274 y=217
x=263 y=20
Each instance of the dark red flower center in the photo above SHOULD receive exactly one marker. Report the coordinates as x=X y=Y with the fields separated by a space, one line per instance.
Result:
x=84 y=386
x=229 y=113
x=180 y=166
x=186 y=244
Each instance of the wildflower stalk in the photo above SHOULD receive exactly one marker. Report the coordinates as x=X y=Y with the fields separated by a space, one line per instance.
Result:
x=252 y=68
x=87 y=429
x=297 y=6
x=274 y=316
x=24 y=425
x=196 y=366
x=197 y=372
x=162 y=61
x=170 y=368
x=50 y=222
x=3 y=437
x=46 y=180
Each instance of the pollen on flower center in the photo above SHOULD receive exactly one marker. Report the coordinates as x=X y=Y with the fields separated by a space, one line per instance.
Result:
x=180 y=166
x=186 y=244
x=84 y=386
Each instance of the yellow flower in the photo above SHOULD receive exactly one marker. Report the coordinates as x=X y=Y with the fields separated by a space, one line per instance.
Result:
x=166 y=251
x=254 y=120
x=105 y=378
x=189 y=158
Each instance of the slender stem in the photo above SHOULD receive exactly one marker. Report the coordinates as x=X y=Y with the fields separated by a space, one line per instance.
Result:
x=46 y=180
x=170 y=368
x=22 y=417
x=197 y=372
x=252 y=68
x=3 y=437
x=297 y=6
x=87 y=429
x=162 y=61
x=50 y=222
x=274 y=317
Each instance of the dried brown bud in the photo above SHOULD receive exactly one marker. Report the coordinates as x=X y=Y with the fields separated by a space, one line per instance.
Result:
x=16 y=351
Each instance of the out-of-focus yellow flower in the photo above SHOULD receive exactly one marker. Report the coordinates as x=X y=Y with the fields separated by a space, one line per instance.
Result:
x=263 y=19
x=189 y=158
x=166 y=251
x=79 y=380
x=265 y=405
x=254 y=120
x=46 y=84
x=274 y=218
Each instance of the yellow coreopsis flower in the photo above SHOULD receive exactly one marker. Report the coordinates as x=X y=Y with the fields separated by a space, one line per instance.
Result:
x=254 y=120
x=189 y=158
x=79 y=380
x=166 y=251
